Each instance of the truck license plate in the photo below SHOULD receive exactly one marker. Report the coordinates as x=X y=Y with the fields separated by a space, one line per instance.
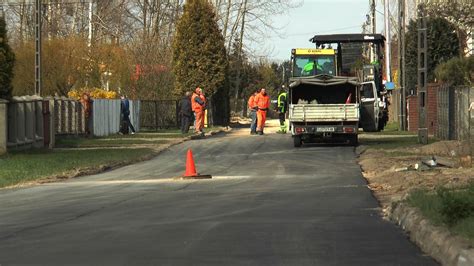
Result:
x=325 y=129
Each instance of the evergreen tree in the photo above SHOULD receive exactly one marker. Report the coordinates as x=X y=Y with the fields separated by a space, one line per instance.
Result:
x=199 y=58
x=443 y=44
x=7 y=60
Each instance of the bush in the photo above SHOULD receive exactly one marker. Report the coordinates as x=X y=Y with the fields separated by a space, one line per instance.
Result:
x=456 y=71
x=456 y=205
x=94 y=93
x=443 y=44
x=7 y=60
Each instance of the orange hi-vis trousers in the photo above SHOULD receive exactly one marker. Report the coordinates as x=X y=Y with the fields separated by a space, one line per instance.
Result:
x=199 y=121
x=261 y=117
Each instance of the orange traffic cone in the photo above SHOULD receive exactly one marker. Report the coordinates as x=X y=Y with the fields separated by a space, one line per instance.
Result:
x=190 y=167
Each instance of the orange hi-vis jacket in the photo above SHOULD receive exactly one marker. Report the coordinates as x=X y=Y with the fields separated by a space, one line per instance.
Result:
x=262 y=101
x=195 y=105
x=251 y=103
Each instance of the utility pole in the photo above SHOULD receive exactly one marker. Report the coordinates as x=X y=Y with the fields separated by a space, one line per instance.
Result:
x=239 y=66
x=388 y=42
x=422 y=77
x=401 y=64
x=2 y=12
x=89 y=37
x=374 y=29
x=38 y=45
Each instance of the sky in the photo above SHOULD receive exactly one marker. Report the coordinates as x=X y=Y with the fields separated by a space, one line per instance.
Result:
x=315 y=17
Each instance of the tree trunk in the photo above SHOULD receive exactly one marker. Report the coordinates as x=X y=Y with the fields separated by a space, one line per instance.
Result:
x=239 y=66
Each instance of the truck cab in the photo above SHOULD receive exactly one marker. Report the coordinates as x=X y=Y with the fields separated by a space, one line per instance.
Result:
x=310 y=62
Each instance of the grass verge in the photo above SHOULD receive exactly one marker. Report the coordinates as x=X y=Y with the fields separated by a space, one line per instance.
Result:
x=453 y=208
x=391 y=142
x=24 y=166
x=391 y=128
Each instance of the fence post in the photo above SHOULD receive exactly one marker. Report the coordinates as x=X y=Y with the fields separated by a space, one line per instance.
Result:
x=52 y=122
x=155 y=114
x=3 y=126
x=39 y=123
x=177 y=114
x=12 y=126
x=471 y=121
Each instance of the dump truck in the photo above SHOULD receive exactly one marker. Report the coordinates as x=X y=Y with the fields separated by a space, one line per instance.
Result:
x=326 y=108
x=328 y=99
x=351 y=62
x=342 y=93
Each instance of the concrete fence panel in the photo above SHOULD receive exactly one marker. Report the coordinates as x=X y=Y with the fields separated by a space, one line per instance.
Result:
x=25 y=122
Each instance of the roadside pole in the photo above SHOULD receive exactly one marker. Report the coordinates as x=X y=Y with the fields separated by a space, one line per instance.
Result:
x=388 y=43
x=471 y=122
x=422 y=77
x=374 y=29
x=38 y=46
x=3 y=126
x=401 y=64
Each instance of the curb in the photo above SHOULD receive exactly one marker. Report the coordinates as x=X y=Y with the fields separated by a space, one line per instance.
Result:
x=436 y=241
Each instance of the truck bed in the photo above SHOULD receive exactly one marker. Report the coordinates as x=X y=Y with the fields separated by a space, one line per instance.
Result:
x=323 y=112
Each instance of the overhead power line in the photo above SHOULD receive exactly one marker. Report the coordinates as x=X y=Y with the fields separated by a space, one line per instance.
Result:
x=7 y=4
x=318 y=32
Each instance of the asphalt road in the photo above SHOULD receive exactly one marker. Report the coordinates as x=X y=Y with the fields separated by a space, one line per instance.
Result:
x=268 y=204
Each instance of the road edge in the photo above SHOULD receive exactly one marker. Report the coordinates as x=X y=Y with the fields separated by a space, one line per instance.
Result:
x=435 y=241
x=110 y=166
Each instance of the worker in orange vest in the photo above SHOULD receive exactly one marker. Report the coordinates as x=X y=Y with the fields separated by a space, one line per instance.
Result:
x=198 y=104
x=262 y=100
x=253 y=112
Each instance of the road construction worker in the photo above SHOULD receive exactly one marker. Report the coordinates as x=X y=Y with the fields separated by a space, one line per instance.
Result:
x=262 y=100
x=125 y=114
x=252 y=106
x=282 y=107
x=198 y=104
x=186 y=112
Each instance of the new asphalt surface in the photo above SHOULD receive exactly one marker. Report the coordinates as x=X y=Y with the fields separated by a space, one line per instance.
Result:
x=267 y=204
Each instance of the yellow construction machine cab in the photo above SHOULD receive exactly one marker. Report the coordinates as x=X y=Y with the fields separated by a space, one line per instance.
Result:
x=311 y=62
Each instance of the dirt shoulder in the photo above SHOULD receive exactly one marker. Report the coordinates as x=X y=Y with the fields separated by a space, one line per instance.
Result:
x=395 y=166
x=391 y=172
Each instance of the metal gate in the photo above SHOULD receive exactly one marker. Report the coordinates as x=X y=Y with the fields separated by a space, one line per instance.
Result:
x=453 y=112
x=159 y=114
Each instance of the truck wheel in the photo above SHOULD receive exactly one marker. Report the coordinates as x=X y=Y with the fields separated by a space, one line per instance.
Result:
x=297 y=141
x=353 y=140
x=371 y=128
